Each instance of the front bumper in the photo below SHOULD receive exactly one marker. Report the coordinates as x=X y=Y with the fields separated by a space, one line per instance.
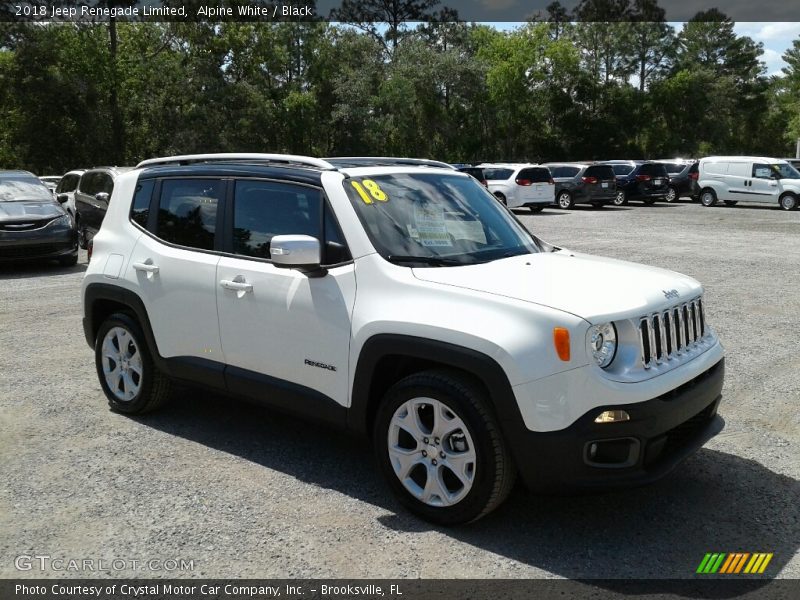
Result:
x=660 y=434
x=44 y=243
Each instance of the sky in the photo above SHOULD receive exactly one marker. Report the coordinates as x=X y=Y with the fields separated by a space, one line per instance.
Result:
x=776 y=37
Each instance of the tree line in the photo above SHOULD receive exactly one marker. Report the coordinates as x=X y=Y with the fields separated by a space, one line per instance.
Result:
x=553 y=88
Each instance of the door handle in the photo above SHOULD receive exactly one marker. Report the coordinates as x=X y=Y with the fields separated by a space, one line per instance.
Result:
x=146 y=267
x=239 y=286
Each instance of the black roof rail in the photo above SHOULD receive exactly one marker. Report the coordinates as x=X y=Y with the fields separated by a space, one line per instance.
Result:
x=386 y=161
x=282 y=159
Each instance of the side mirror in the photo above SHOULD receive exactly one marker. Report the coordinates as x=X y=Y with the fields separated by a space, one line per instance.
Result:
x=62 y=198
x=102 y=197
x=300 y=252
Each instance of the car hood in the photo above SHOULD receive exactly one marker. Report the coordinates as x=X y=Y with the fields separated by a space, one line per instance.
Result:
x=22 y=210
x=591 y=287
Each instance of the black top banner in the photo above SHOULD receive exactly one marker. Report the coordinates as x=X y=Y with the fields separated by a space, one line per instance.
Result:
x=375 y=11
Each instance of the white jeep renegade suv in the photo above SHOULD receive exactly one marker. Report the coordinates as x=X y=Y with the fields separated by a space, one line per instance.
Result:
x=399 y=300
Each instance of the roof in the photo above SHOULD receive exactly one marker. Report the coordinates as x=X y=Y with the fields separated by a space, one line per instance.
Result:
x=16 y=172
x=746 y=158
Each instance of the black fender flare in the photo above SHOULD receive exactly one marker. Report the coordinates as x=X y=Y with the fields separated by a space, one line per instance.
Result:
x=477 y=364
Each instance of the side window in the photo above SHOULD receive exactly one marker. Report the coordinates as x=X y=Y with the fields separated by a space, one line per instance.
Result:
x=535 y=174
x=264 y=209
x=559 y=172
x=86 y=185
x=140 y=209
x=762 y=171
x=187 y=211
x=67 y=184
x=599 y=171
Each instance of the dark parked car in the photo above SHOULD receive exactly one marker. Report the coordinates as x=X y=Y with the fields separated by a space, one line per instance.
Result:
x=91 y=200
x=639 y=180
x=32 y=224
x=683 y=175
x=583 y=183
x=476 y=172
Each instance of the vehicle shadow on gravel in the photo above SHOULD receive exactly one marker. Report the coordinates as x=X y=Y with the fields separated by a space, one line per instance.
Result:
x=714 y=502
x=24 y=270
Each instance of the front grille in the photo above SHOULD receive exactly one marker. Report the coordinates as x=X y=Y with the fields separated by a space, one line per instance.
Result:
x=672 y=332
x=26 y=225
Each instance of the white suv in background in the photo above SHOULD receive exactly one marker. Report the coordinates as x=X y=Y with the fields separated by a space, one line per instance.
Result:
x=748 y=179
x=520 y=185
x=401 y=302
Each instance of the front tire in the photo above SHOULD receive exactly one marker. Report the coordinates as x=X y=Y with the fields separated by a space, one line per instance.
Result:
x=708 y=197
x=788 y=202
x=129 y=378
x=440 y=448
x=621 y=199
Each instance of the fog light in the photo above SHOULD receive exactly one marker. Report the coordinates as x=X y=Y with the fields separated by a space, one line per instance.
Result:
x=612 y=416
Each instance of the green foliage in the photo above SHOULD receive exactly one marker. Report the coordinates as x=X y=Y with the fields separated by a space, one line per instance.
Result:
x=442 y=89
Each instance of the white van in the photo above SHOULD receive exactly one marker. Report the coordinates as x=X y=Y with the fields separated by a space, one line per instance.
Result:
x=517 y=185
x=749 y=179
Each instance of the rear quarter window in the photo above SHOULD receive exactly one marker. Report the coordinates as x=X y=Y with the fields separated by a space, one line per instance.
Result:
x=716 y=168
x=564 y=171
x=674 y=168
x=497 y=174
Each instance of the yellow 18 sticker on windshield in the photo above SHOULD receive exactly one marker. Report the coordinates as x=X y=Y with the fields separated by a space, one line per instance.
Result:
x=372 y=192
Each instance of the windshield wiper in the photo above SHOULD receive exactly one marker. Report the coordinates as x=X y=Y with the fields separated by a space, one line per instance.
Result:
x=436 y=261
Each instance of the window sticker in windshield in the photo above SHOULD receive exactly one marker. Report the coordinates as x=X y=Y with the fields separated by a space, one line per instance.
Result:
x=375 y=191
x=430 y=229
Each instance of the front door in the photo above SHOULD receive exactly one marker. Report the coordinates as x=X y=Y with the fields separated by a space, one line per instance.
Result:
x=764 y=187
x=282 y=329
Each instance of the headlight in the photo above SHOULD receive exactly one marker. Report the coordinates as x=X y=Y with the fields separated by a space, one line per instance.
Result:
x=62 y=221
x=603 y=343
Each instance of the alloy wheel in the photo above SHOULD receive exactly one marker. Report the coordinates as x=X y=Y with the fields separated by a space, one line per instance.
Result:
x=122 y=364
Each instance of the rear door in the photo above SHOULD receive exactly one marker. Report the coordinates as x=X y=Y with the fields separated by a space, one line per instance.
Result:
x=535 y=185
x=652 y=179
x=174 y=268
x=738 y=182
x=599 y=182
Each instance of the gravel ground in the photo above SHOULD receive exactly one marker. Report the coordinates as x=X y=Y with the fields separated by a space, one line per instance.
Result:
x=244 y=492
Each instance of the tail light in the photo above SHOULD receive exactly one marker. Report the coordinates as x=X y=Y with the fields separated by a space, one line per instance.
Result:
x=551 y=182
x=524 y=181
x=89 y=248
x=589 y=179
x=643 y=178
x=694 y=176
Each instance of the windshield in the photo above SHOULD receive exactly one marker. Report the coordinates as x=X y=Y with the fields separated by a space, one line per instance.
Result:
x=20 y=187
x=786 y=171
x=436 y=219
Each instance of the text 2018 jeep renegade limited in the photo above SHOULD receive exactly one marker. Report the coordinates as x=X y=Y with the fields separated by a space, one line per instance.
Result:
x=400 y=300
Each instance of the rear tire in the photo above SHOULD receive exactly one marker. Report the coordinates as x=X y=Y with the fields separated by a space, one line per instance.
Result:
x=788 y=202
x=672 y=194
x=130 y=379
x=708 y=197
x=501 y=197
x=621 y=199
x=565 y=200
x=440 y=449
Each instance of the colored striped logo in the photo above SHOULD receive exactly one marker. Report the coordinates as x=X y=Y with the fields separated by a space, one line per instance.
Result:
x=734 y=563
